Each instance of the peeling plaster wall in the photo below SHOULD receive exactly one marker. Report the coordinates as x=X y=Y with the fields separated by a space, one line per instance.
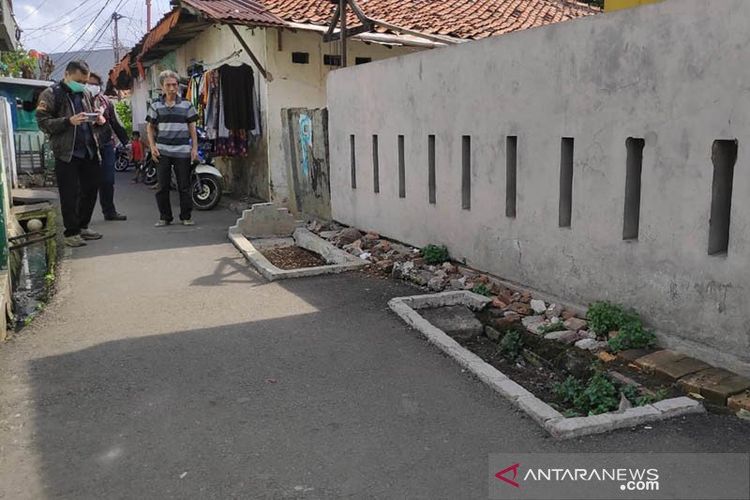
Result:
x=672 y=73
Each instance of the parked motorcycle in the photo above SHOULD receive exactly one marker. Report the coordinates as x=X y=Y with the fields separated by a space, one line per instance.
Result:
x=122 y=158
x=206 y=181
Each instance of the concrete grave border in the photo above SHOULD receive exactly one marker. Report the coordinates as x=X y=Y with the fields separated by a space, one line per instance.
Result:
x=553 y=421
x=339 y=260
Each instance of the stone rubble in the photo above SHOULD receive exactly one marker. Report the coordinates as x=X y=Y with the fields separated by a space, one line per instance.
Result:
x=509 y=308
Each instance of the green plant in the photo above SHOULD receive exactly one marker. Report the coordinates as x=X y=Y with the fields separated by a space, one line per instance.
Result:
x=557 y=326
x=599 y=395
x=435 y=254
x=17 y=63
x=605 y=317
x=568 y=390
x=632 y=336
x=482 y=289
x=125 y=114
x=511 y=344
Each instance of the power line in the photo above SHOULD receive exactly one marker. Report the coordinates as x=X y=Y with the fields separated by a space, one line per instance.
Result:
x=51 y=23
x=106 y=4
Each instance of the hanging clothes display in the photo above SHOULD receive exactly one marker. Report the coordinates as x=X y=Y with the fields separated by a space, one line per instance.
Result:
x=229 y=107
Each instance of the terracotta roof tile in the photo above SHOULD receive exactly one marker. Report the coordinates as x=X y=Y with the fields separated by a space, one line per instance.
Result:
x=457 y=18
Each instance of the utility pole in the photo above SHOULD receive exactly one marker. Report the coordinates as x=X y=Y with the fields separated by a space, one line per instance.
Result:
x=116 y=17
x=342 y=9
x=148 y=16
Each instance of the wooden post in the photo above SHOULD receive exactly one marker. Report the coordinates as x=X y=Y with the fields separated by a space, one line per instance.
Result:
x=258 y=65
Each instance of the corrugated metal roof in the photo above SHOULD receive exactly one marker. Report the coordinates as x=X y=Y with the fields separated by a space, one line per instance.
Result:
x=252 y=12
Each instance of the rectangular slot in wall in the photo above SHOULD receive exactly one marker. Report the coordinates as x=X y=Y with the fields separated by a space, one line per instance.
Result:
x=362 y=60
x=724 y=157
x=633 y=166
x=300 y=58
x=401 y=168
x=431 y=186
x=566 y=181
x=511 y=152
x=375 y=164
x=466 y=172
x=353 y=155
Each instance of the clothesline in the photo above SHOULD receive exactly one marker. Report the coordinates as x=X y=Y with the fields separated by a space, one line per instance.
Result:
x=228 y=105
x=220 y=62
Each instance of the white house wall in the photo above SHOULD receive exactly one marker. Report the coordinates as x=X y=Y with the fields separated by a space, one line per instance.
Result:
x=302 y=86
x=674 y=74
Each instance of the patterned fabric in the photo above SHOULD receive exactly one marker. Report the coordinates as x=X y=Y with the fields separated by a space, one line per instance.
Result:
x=234 y=145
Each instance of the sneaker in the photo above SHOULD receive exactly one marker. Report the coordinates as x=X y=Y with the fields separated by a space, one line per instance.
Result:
x=162 y=223
x=88 y=234
x=116 y=216
x=74 y=241
x=188 y=222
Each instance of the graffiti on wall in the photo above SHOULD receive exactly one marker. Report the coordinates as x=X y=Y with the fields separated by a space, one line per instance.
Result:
x=305 y=142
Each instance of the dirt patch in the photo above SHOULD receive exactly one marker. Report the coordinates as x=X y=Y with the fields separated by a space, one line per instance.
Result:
x=539 y=365
x=293 y=257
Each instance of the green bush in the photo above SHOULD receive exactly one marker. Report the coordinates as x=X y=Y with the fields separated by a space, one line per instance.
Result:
x=125 y=114
x=511 y=344
x=599 y=395
x=435 y=254
x=632 y=336
x=605 y=317
x=482 y=289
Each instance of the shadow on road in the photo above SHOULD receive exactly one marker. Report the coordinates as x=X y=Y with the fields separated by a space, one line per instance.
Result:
x=344 y=402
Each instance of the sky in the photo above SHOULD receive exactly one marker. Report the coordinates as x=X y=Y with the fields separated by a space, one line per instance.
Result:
x=62 y=25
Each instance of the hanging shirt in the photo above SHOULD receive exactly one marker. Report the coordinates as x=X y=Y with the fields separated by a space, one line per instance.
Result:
x=172 y=123
x=237 y=97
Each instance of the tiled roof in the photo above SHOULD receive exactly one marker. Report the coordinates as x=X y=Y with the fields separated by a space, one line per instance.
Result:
x=472 y=19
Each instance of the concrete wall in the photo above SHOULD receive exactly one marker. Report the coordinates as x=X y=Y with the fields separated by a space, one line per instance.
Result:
x=305 y=134
x=302 y=86
x=672 y=73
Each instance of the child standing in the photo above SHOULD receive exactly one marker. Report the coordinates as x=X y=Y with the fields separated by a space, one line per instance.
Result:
x=136 y=155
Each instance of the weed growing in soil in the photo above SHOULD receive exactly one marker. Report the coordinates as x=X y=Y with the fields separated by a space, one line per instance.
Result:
x=599 y=395
x=435 y=254
x=511 y=344
x=605 y=317
x=557 y=326
x=634 y=395
x=632 y=336
x=482 y=289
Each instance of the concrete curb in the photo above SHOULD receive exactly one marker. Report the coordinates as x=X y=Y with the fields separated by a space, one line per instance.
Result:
x=339 y=260
x=539 y=411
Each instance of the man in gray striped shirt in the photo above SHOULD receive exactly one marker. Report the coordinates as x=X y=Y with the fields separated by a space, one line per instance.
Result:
x=174 y=144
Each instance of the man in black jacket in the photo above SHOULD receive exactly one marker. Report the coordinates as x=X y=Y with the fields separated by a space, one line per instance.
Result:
x=66 y=113
x=105 y=135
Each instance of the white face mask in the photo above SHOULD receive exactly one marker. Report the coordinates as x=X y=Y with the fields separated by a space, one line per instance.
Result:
x=94 y=89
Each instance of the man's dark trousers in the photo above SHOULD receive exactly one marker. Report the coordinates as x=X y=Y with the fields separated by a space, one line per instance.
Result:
x=107 y=187
x=164 y=174
x=78 y=182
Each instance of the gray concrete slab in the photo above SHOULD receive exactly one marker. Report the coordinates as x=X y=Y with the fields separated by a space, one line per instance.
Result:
x=165 y=368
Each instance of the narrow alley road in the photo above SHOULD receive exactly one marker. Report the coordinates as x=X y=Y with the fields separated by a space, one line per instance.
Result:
x=165 y=368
